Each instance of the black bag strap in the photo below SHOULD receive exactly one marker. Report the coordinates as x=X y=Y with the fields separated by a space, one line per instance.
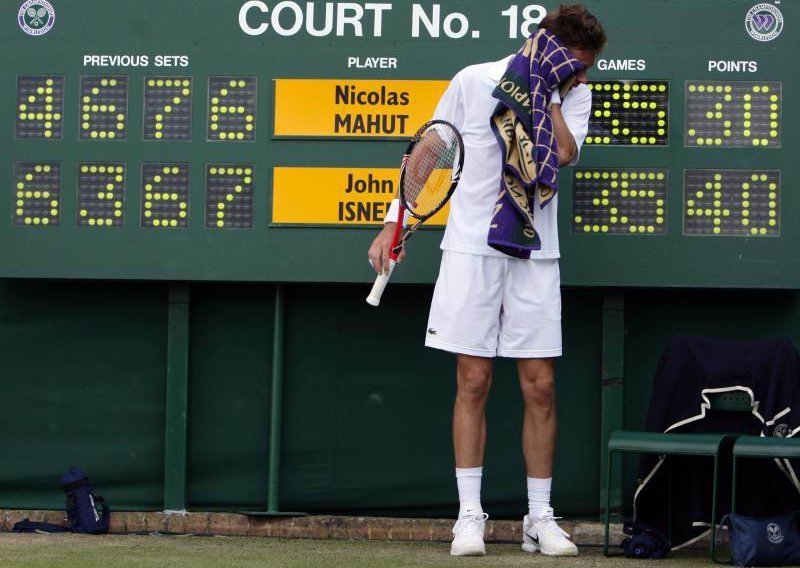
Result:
x=722 y=522
x=106 y=516
x=718 y=537
x=27 y=526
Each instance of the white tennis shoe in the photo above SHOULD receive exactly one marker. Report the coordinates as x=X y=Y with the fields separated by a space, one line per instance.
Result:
x=545 y=536
x=468 y=536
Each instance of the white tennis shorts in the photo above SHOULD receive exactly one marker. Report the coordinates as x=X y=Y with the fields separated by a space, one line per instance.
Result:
x=487 y=306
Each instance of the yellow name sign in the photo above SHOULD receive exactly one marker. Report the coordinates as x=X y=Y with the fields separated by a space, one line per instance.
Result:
x=336 y=196
x=347 y=108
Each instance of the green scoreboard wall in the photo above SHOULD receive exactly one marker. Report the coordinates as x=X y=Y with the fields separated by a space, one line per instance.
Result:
x=259 y=140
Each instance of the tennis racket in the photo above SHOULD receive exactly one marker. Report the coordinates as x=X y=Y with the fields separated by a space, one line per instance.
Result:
x=429 y=173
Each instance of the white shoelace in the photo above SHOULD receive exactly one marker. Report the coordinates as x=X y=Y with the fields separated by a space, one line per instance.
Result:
x=549 y=524
x=470 y=523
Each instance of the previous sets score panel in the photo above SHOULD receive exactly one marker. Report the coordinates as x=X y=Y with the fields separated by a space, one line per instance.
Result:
x=103 y=111
x=102 y=195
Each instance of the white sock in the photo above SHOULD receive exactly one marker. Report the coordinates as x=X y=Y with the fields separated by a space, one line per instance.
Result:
x=538 y=496
x=469 y=490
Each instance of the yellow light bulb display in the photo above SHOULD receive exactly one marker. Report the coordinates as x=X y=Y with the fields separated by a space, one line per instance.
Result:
x=720 y=202
x=232 y=109
x=629 y=113
x=37 y=194
x=165 y=195
x=40 y=107
x=229 y=196
x=101 y=194
x=733 y=114
x=103 y=107
x=627 y=201
x=167 y=108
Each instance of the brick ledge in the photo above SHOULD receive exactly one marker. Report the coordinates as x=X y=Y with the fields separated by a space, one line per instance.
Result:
x=317 y=527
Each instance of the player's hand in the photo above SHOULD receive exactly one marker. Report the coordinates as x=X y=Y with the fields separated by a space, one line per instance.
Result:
x=381 y=248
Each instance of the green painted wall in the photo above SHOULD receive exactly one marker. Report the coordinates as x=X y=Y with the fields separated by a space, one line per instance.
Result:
x=231 y=355
x=84 y=384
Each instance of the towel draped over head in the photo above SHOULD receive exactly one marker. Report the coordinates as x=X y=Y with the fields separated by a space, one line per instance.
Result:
x=523 y=128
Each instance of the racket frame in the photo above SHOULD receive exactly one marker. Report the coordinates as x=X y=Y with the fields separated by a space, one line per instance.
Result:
x=399 y=242
x=399 y=239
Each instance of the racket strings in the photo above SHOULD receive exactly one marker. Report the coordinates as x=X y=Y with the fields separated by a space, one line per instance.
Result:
x=429 y=170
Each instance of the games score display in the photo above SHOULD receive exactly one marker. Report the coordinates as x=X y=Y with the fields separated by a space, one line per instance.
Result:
x=630 y=113
x=718 y=114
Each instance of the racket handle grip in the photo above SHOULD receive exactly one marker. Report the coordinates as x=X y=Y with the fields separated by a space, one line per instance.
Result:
x=374 y=298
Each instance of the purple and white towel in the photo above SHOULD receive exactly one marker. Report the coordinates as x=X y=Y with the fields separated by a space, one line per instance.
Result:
x=523 y=128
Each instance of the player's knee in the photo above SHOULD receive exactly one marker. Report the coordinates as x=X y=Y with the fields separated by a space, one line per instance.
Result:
x=539 y=390
x=473 y=385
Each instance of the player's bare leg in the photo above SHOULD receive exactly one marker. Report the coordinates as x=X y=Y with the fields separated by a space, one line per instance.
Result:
x=540 y=531
x=474 y=379
x=537 y=381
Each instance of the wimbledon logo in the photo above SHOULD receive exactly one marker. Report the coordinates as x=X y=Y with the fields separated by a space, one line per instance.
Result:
x=774 y=533
x=36 y=17
x=764 y=22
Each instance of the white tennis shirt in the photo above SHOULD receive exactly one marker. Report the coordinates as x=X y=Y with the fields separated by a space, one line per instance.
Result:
x=468 y=104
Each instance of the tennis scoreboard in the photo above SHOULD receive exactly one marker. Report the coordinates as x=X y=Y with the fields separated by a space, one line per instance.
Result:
x=260 y=140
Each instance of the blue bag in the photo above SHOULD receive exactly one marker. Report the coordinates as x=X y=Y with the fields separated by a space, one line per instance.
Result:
x=764 y=541
x=87 y=512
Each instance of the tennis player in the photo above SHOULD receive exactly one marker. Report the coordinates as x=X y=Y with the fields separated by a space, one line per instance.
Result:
x=498 y=292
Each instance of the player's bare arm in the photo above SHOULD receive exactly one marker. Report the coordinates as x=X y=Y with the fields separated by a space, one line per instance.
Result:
x=567 y=149
x=566 y=143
